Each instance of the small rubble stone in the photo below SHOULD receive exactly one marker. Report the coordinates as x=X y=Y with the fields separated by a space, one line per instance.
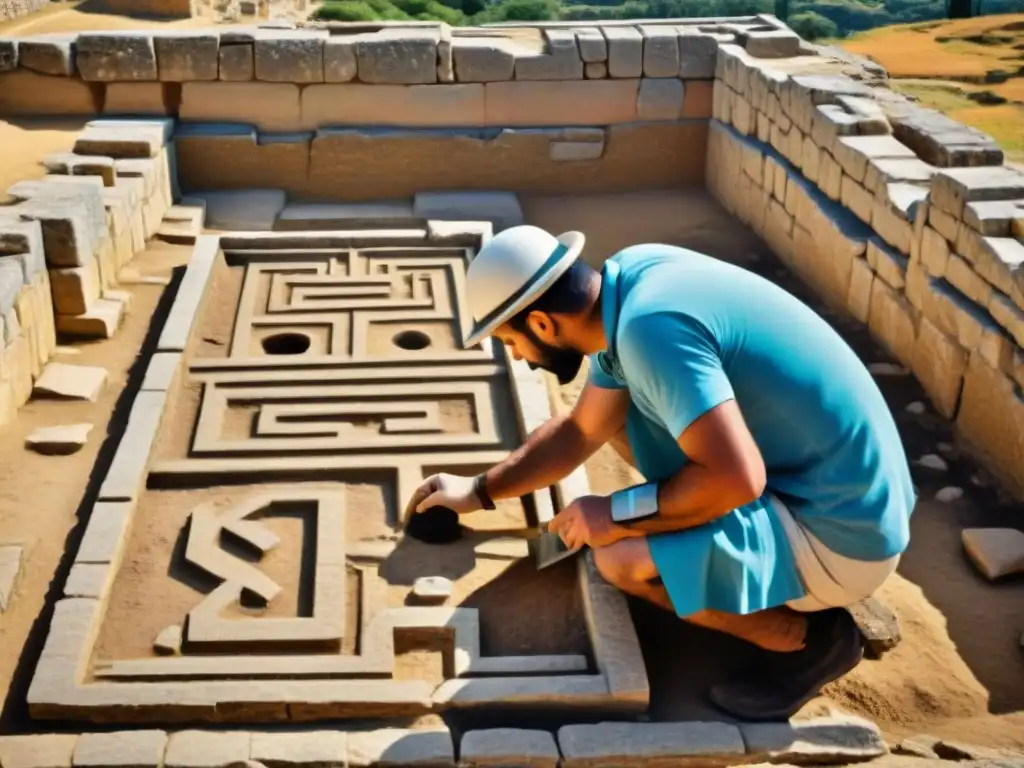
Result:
x=918 y=746
x=432 y=589
x=120 y=749
x=59 y=441
x=887 y=369
x=168 y=641
x=316 y=749
x=207 y=749
x=508 y=747
x=878 y=624
x=400 y=747
x=933 y=461
x=916 y=408
x=836 y=739
x=402 y=56
x=73 y=382
x=115 y=56
x=188 y=56
x=996 y=552
x=45 y=751
x=949 y=494
x=643 y=744
x=10 y=569
x=48 y=54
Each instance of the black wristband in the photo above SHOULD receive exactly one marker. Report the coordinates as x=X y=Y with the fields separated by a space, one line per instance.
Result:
x=480 y=488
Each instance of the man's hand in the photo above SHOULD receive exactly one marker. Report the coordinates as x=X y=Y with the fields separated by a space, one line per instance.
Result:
x=450 y=491
x=588 y=521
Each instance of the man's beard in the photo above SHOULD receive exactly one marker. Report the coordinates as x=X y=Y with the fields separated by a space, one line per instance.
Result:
x=564 y=364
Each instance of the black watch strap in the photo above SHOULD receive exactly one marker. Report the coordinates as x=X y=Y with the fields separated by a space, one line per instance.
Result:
x=480 y=488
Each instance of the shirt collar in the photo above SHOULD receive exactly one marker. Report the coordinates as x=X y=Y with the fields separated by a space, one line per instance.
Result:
x=610 y=303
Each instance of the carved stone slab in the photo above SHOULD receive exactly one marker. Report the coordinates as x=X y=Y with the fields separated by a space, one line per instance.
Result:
x=343 y=361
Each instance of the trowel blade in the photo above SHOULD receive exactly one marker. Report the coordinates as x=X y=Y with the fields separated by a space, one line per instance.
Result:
x=548 y=549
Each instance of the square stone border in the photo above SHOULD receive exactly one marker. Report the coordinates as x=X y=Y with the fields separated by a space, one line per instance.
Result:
x=57 y=690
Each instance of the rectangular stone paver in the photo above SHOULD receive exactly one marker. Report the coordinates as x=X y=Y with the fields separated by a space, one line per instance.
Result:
x=47 y=751
x=508 y=747
x=400 y=747
x=313 y=749
x=645 y=744
x=121 y=749
x=207 y=749
x=843 y=739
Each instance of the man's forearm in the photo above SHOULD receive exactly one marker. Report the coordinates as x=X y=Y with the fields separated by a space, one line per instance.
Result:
x=694 y=496
x=551 y=452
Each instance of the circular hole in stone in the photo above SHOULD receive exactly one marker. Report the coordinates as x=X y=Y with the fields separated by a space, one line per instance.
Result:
x=286 y=344
x=411 y=340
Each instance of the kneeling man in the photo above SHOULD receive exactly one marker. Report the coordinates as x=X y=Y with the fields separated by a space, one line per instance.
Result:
x=779 y=491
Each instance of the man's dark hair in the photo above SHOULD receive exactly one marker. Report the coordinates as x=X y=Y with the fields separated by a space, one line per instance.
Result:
x=570 y=293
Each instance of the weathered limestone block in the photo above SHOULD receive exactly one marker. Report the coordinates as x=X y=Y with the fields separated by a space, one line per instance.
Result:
x=953 y=188
x=595 y=70
x=115 y=56
x=68 y=236
x=625 y=52
x=561 y=60
x=120 y=749
x=643 y=744
x=697 y=55
x=993 y=218
x=853 y=152
x=317 y=749
x=835 y=739
x=48 y=54
x=991 y=419
x=829 y=122
x=8 y=54
x=572 y=151
x=697 y=99
x=940 y=140
x=888 y=264
x=802 y=93
x=871 y=117
x=773 y=44
x=207 y=749
x=268 y=106
x=593 y=47
x=502 y=209
x=661 y=51
x=996 y=552
x=1007 y=315
x=134 y=99
x=340 y=64
x=403 y=56
x=939 y=363
x=858 y=300
x=399 y=747
x=483 y=59
x=283 y=56
x=998 y=260
x=892 y=321
x=660 y=99
x=934 y=252
x=961 y=276
x=46 y=751
x=857 y=199
x=31 y=94
x=743 y=117
x=778 y=231
x=508 y=747
x=119 y=143
x=444 y=105
x=586 y=103
x=236 y=63
x=954 y=314
x=188 y=56
x=830 y=177
x=882 y=171
x=892 y=225
x=75 y=289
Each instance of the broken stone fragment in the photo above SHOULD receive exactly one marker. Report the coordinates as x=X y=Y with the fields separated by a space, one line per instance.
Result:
x=168 y=642
x=59 y=441
x=916 y=408
x=432 y=589
x=835 y=739
x=949 y=494
x=878 y=625
x=996 y=552
x=73 y=382
x=933 y=461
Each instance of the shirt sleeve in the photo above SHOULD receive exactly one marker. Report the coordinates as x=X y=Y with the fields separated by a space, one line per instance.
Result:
x=600 y=373
x=673 y=360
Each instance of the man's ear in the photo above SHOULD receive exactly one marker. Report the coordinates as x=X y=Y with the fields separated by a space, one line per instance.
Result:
x=542 y=326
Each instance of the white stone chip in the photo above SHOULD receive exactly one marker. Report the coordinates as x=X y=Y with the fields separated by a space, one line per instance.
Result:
x=996 y=552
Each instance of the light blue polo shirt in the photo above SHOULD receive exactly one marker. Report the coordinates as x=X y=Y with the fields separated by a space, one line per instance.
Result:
x=688 y=332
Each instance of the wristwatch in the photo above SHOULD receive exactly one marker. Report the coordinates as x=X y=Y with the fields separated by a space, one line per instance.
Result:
x=631 y=505
x=480 y=489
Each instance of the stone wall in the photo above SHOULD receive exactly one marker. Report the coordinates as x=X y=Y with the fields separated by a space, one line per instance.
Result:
x=13 y=9
x=898 y=215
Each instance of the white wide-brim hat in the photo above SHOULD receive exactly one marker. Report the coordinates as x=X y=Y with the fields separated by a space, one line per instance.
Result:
x=511 y=271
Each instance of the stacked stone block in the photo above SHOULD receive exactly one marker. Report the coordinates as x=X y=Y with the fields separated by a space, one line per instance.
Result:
x=895 y=214
x=12 y=9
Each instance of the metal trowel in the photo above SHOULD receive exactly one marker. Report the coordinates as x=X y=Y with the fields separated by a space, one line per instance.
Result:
x=548 y=548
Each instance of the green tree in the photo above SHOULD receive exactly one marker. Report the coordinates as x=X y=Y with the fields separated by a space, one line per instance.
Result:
x=813 y=26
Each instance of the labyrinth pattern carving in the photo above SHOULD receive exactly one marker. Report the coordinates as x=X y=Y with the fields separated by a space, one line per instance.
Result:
x=343 y=366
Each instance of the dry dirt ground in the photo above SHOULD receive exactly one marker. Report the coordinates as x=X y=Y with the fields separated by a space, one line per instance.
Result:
x=957 y=674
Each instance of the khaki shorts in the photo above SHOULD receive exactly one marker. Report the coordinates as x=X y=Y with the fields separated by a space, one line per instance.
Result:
x=831 y=580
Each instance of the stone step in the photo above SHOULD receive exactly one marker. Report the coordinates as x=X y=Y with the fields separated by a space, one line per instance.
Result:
x=383 y=214
x=183 y=222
